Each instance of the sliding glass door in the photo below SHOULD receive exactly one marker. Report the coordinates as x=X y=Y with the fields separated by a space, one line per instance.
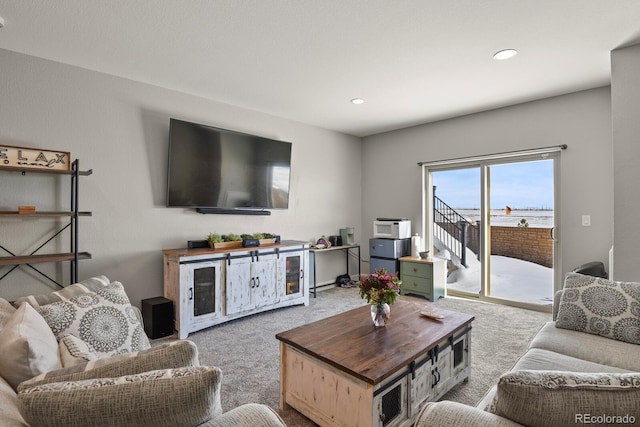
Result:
x=495 y=223
x=456 y=227
x=521 y=221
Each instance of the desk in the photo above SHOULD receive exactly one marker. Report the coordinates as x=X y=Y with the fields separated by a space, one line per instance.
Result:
x=345 y=248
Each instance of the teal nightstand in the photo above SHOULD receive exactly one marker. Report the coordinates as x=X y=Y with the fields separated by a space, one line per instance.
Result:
x=424 y=277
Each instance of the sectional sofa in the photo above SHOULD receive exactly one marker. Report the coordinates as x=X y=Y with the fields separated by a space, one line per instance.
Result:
x=581 y=368
x=112 y=376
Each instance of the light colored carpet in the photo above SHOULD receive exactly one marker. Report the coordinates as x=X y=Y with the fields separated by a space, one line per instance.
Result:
x=248 y=353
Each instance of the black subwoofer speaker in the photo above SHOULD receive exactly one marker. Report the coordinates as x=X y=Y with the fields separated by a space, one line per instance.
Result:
x=157 y=314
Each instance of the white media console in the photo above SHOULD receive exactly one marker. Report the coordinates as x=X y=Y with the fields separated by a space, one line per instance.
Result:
x=209 y=286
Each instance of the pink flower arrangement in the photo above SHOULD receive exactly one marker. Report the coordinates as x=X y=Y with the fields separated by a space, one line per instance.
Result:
x=380 y=287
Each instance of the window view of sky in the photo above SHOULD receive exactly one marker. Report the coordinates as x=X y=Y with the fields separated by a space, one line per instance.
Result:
x=525 y=185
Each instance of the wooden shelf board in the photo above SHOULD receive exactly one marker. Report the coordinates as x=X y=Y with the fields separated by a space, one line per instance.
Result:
x=43 y=213
x=47 y=171
x=34 y=259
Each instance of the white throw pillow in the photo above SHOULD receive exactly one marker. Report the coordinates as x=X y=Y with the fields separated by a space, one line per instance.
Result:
x=29 y=348
x=103 y=319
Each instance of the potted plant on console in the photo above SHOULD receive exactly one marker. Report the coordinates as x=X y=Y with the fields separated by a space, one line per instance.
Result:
x=225 y=241
x=229 y=241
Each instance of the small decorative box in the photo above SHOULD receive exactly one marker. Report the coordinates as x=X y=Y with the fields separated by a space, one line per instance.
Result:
x=26 y=210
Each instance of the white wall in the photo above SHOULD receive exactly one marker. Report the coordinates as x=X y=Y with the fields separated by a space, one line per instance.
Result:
x=119 y=128
x=625 y=98
x=392 y=180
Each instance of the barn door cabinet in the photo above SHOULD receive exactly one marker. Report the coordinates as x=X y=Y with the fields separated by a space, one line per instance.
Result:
x=398 y=401
x=250 y=283
x=209 y=287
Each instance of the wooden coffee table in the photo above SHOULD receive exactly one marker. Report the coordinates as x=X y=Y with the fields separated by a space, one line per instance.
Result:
x=343 y=371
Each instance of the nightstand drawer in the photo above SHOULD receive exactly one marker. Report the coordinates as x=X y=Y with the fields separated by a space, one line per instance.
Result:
x=416 y=269
x=417 y=284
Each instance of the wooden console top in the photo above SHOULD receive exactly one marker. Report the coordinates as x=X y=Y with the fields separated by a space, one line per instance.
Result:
x=185 y=252
x=349 y=342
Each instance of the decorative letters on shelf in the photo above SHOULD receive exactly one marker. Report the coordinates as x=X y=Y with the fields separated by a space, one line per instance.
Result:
x=32 y=158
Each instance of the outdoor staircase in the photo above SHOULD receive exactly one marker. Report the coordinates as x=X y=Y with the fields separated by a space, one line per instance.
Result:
x=451 y=229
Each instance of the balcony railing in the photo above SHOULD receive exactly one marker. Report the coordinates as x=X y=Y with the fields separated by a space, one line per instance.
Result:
x=452 y=230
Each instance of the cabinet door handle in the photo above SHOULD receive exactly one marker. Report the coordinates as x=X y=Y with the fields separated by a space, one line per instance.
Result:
x=302 y=273
x=257 y=282
x=190 y=294
x=253 y=282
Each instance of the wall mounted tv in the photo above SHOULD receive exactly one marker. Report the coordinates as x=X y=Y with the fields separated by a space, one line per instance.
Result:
x=222 y=171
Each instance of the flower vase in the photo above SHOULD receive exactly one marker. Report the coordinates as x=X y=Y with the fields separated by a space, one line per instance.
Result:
x=380 y=314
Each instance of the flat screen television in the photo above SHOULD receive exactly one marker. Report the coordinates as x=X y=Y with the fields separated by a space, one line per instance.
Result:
x=222 y=169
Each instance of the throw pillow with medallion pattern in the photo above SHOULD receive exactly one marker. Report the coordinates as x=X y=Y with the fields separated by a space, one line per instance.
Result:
x=103 y=319
x=601 y=307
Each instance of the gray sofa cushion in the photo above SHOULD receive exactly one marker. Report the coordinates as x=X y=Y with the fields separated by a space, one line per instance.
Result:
x=10 y=415
x=164 y=398
x=537 y=359
x=247 y=415
x=602 y=307
x=447 y=413
x=544 y=360
x=176 y=354
x=487 y=399
x=567 y=398
x=592 y=348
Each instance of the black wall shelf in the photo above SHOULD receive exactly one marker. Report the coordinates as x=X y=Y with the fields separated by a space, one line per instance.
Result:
x=74 y=255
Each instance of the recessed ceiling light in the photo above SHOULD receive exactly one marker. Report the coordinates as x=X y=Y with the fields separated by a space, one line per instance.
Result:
x=505 y=54
x=357 y=101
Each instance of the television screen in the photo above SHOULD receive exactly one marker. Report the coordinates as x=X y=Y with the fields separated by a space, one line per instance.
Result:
x=218 y=168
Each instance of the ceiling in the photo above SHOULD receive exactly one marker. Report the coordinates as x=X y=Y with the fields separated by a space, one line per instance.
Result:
x=412 y=61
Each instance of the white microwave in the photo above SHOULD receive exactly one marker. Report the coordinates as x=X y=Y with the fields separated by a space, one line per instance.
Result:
x=392 y=229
